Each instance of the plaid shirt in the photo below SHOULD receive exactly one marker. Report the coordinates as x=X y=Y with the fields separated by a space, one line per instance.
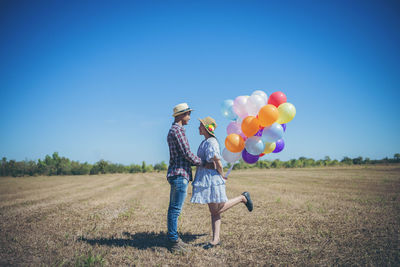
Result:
x=181 y=158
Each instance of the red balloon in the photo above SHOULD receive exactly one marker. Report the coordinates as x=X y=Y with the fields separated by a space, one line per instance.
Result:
x=277 y=98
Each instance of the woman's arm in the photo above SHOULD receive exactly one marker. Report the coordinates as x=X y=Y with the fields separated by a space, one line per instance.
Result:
x=219 y=167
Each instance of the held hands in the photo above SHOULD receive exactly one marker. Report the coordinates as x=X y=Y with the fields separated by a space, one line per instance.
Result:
x=210 y=165
x=219 y=168
x=215 y=164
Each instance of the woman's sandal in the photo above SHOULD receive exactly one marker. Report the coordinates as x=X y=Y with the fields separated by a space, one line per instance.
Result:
x=209 y=245
x=249 y=203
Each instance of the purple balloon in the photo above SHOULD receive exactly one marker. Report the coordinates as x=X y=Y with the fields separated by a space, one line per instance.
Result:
x=259 y=133
x=284 y=127
x=280 y=144
x=249 y=158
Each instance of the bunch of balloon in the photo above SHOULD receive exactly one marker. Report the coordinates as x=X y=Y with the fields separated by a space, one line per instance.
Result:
x=257 y=125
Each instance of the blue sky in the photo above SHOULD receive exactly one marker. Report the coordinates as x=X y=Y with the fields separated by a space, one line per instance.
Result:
x=98 y=79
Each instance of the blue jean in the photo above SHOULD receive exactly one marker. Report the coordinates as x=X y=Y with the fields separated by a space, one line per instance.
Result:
x=177 y=196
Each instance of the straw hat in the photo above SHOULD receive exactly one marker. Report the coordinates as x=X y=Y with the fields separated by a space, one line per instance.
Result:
x=210 y=125
x=180 y=109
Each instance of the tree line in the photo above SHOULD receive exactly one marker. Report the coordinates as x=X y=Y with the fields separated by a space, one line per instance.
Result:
x=56 y=165
x=303 y=162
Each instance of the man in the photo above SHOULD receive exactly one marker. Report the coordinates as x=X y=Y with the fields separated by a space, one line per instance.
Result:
x=179 y=172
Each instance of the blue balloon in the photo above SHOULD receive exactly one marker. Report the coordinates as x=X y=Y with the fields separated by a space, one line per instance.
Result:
x=272 y=133
x=254 y=145
x=227 y=110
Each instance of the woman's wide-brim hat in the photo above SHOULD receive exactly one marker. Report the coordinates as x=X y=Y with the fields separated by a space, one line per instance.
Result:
x=210 y=125
x=181 y=109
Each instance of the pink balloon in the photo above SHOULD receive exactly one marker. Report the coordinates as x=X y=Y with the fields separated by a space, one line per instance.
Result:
x=236 y=128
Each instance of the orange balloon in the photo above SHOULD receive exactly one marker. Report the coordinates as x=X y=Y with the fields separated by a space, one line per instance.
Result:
x=250 y=126
x=234 y=143
x=267 y=115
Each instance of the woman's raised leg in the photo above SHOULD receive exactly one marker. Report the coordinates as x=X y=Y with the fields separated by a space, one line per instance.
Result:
x=230 y=203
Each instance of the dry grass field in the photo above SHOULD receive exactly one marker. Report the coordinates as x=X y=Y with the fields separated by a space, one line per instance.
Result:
x=312 y=216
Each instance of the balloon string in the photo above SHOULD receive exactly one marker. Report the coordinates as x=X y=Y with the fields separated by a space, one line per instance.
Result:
x=229 y=171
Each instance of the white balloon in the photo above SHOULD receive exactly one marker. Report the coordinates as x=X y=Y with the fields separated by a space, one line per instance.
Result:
x=239 y=106
x=262 y=94
x=230 y=156
x=254 y=104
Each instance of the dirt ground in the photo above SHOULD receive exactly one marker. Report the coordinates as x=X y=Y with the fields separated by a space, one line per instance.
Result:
x=311 y=216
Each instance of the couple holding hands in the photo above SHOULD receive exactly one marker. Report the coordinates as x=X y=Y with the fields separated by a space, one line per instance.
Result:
x=209 y=182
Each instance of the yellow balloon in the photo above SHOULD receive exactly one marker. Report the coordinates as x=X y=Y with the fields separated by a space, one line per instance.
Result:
x=286 y=113
x=269 y=147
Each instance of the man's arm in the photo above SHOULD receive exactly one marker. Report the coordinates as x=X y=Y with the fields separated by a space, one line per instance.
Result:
x=184 y=147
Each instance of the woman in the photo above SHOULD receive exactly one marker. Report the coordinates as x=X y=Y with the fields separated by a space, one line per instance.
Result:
x=209 y=184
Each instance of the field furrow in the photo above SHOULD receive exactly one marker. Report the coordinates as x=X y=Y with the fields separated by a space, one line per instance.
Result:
x=312 y=216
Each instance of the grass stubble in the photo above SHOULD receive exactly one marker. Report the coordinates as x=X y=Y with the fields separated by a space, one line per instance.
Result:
x=311 y=216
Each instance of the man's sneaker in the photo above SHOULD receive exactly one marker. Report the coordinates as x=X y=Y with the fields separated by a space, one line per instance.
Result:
x=177 y=247
x=183 y=244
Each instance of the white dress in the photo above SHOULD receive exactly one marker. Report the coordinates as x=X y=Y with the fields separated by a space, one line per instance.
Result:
x=208 y=185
